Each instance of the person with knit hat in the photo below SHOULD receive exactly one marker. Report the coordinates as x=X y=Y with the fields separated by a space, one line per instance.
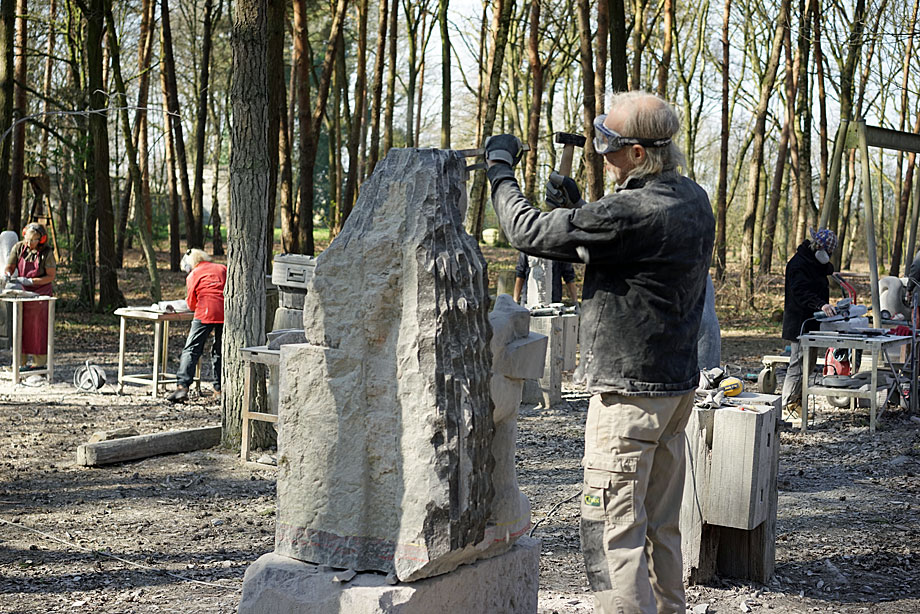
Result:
x=806 y=292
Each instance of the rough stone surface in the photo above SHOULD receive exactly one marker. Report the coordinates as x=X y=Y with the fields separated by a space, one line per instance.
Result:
x=507 y=583
x=512 y=340
x=385 y=413
x=547 y=390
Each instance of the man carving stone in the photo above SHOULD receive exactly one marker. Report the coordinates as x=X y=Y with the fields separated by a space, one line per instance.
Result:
x=647 y=249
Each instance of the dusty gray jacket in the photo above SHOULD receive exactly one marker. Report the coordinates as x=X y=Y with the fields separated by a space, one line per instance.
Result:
x=646 y=248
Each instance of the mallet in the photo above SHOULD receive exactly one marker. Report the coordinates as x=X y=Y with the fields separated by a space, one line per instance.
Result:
x=569 y=142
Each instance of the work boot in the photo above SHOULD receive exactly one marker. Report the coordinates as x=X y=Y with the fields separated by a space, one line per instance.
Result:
x=179 y=395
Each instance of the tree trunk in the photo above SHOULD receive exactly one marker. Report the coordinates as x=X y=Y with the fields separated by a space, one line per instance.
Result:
x=536 y=100
x=667 y=43
x=474 y=213
x=782 y=154
x=600 y=73
x=754 y=177
x=829 y=211
x=822 y=104
x=903 y=201
x=171 y=181
x=133 y=168
x=201 y=123
x=803 y=125
x=46 y=79
x=250 y=174
x=216 y=238
x=7 y=19
x=138 y=136
x=377 y=90
x=277 y=100
x=638 y=36
x=289 y=243
x=445 y=74
x=722 y=189
x=141 y=118
x=301 y=64
x=175 y=122
x=619 y=81
x=310 y=128
x=110 y=296
x=594 y=163
x=17 y=170
x=351 y=182
x=391 y=79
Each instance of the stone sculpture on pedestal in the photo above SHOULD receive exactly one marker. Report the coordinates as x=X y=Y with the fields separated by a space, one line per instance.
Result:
x=393 y=456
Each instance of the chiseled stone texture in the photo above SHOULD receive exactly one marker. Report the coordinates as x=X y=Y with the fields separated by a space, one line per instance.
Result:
x=385 y=413
x=507 y=583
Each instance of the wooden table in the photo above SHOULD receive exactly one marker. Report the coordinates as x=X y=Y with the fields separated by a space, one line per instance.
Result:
x=17 y=302
x=160 y=321
x=252 y=356
x=875 y=345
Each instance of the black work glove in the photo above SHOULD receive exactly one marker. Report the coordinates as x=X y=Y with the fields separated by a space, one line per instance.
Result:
x=562 y=192
x=505 y=148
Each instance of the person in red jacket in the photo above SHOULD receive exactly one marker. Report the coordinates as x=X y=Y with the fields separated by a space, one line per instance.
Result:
x=205 y=294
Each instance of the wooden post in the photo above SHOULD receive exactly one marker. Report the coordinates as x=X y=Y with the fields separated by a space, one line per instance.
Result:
x=17 y=340
x=870 y=222
x=157 y=333
x=121 y=355
x=49 y=354
x=753 y=452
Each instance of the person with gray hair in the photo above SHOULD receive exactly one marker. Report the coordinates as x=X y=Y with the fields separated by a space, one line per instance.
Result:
x=646 y=249
x=205 y=294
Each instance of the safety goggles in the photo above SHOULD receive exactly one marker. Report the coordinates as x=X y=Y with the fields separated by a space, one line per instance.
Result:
x=607 y=141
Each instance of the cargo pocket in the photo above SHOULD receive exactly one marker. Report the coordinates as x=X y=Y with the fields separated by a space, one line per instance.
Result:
x=614 y=485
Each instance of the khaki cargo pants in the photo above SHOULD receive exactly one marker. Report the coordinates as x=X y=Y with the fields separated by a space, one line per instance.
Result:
x=630 y=507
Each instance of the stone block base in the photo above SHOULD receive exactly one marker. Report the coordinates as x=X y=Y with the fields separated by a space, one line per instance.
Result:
x=509 y=583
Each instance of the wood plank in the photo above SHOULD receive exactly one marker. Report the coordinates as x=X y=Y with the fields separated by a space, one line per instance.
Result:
x=143 y=446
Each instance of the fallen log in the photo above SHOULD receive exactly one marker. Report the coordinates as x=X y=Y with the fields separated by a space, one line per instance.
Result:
x=144 y=446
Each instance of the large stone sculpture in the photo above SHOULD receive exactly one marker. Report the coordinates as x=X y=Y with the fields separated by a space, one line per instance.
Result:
x=385 y=416
x=398 y=418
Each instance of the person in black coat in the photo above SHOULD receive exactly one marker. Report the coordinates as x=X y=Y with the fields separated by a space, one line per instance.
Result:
x=806 y=293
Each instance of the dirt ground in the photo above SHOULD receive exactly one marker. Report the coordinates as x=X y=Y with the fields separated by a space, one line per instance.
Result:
x=176 y=533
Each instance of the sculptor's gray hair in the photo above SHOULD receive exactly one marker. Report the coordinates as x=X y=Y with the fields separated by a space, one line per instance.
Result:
x=197 y=256
x=651 y=122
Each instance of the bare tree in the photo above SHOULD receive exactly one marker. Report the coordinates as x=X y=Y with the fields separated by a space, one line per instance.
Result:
x=594 y=163
x=20 y=71
x=309 y=129
x=445 y=74
x=503 y=10
x=250 y=173
x=133 y=168
x=722 y=189
x=175 y=126
x=110 y=296
x=7 y=19
x=377 y=88
x=756 y=163
x=201 y=123
x=354 y=135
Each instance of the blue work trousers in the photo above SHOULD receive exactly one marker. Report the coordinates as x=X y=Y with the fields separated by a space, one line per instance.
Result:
x=194 y=348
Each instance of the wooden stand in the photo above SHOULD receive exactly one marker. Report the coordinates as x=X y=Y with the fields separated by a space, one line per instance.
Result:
x=253 y=356
x=160 y=321
x=728 y=514
x=17 y=302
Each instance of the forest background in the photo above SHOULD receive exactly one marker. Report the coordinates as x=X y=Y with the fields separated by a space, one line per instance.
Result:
x=250 y=125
